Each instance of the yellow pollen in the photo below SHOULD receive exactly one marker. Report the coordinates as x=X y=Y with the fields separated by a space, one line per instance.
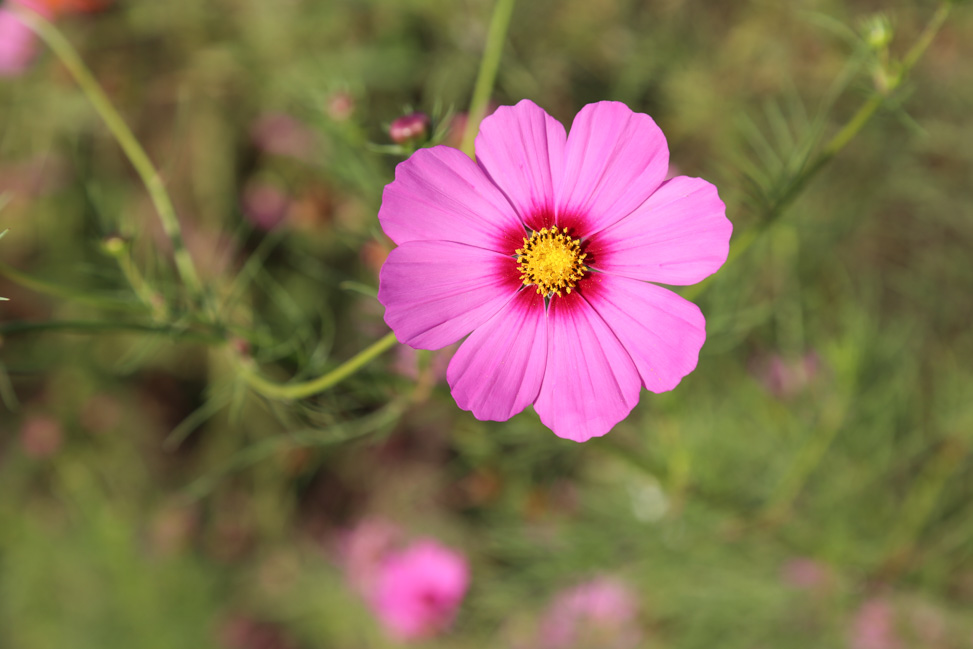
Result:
x=552 y=260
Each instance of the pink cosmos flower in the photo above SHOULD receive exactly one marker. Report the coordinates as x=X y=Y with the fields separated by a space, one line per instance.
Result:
x=419 y=590
x=541 y=252
x=18 y=44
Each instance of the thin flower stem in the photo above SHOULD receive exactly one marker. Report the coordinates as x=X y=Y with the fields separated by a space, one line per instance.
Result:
x=141 y=287
x=123 y=135
x=835 y=144
x=47 y=288
x=295 y=391
x=487 y=75
x=105 y=327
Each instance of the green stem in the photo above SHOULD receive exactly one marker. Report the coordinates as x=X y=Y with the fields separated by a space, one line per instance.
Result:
x=47 y=288
x=102 y=327
x=123 y=135
x=487 y=75
x=926 y=37
x=295 y=391
x=141 y=287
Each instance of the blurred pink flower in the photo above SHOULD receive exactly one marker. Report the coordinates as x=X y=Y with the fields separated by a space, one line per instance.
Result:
x=804 y=573
x=264 y=204
x=786 y=378
x=457 y=125
x=41 y=436
x=874 y=626
x=364 y=548
x=340 y=106
x=419 y=590
x=18 y=44
x=283 y=135
x=545 y=255
x=602 y=612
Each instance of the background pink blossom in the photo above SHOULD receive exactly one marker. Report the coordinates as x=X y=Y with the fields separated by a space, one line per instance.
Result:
x=419 y=589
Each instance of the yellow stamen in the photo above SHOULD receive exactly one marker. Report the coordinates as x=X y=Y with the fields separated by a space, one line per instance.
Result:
x=552 y=260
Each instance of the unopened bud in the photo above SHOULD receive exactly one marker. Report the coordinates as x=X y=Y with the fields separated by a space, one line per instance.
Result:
x=340 y=106
x=240 y=346
x=409 y=127
x=114 y=245
x=877 y=32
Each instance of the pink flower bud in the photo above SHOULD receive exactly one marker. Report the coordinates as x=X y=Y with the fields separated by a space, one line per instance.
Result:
x=409 y=127
x=340 y=106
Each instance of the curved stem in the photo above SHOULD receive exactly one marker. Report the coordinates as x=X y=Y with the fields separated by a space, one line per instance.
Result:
x=123 y=135
x=295 y=391
x=487 y=75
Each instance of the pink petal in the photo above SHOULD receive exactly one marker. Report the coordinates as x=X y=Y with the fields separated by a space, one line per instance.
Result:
x=439 y=194
x=18 y=44
x=591 y=383
x=614 y=160
x=436 y=292
x=522 y=149
x=498 y=370
x=661 y=331
x=679 y=236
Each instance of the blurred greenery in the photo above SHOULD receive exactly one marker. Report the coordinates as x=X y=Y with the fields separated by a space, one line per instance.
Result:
x=817 y=460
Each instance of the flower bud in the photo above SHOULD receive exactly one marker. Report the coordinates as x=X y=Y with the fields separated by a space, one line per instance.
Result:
x=409 y=127
x=877 y=32
x=114 y=245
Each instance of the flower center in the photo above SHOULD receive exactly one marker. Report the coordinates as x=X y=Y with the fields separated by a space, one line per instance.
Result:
x=552 y=260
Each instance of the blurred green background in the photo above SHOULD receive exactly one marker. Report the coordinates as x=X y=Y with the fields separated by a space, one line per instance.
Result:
x=808 y=485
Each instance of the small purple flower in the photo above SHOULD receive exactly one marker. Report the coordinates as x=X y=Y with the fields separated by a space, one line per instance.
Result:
x=541 y=255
